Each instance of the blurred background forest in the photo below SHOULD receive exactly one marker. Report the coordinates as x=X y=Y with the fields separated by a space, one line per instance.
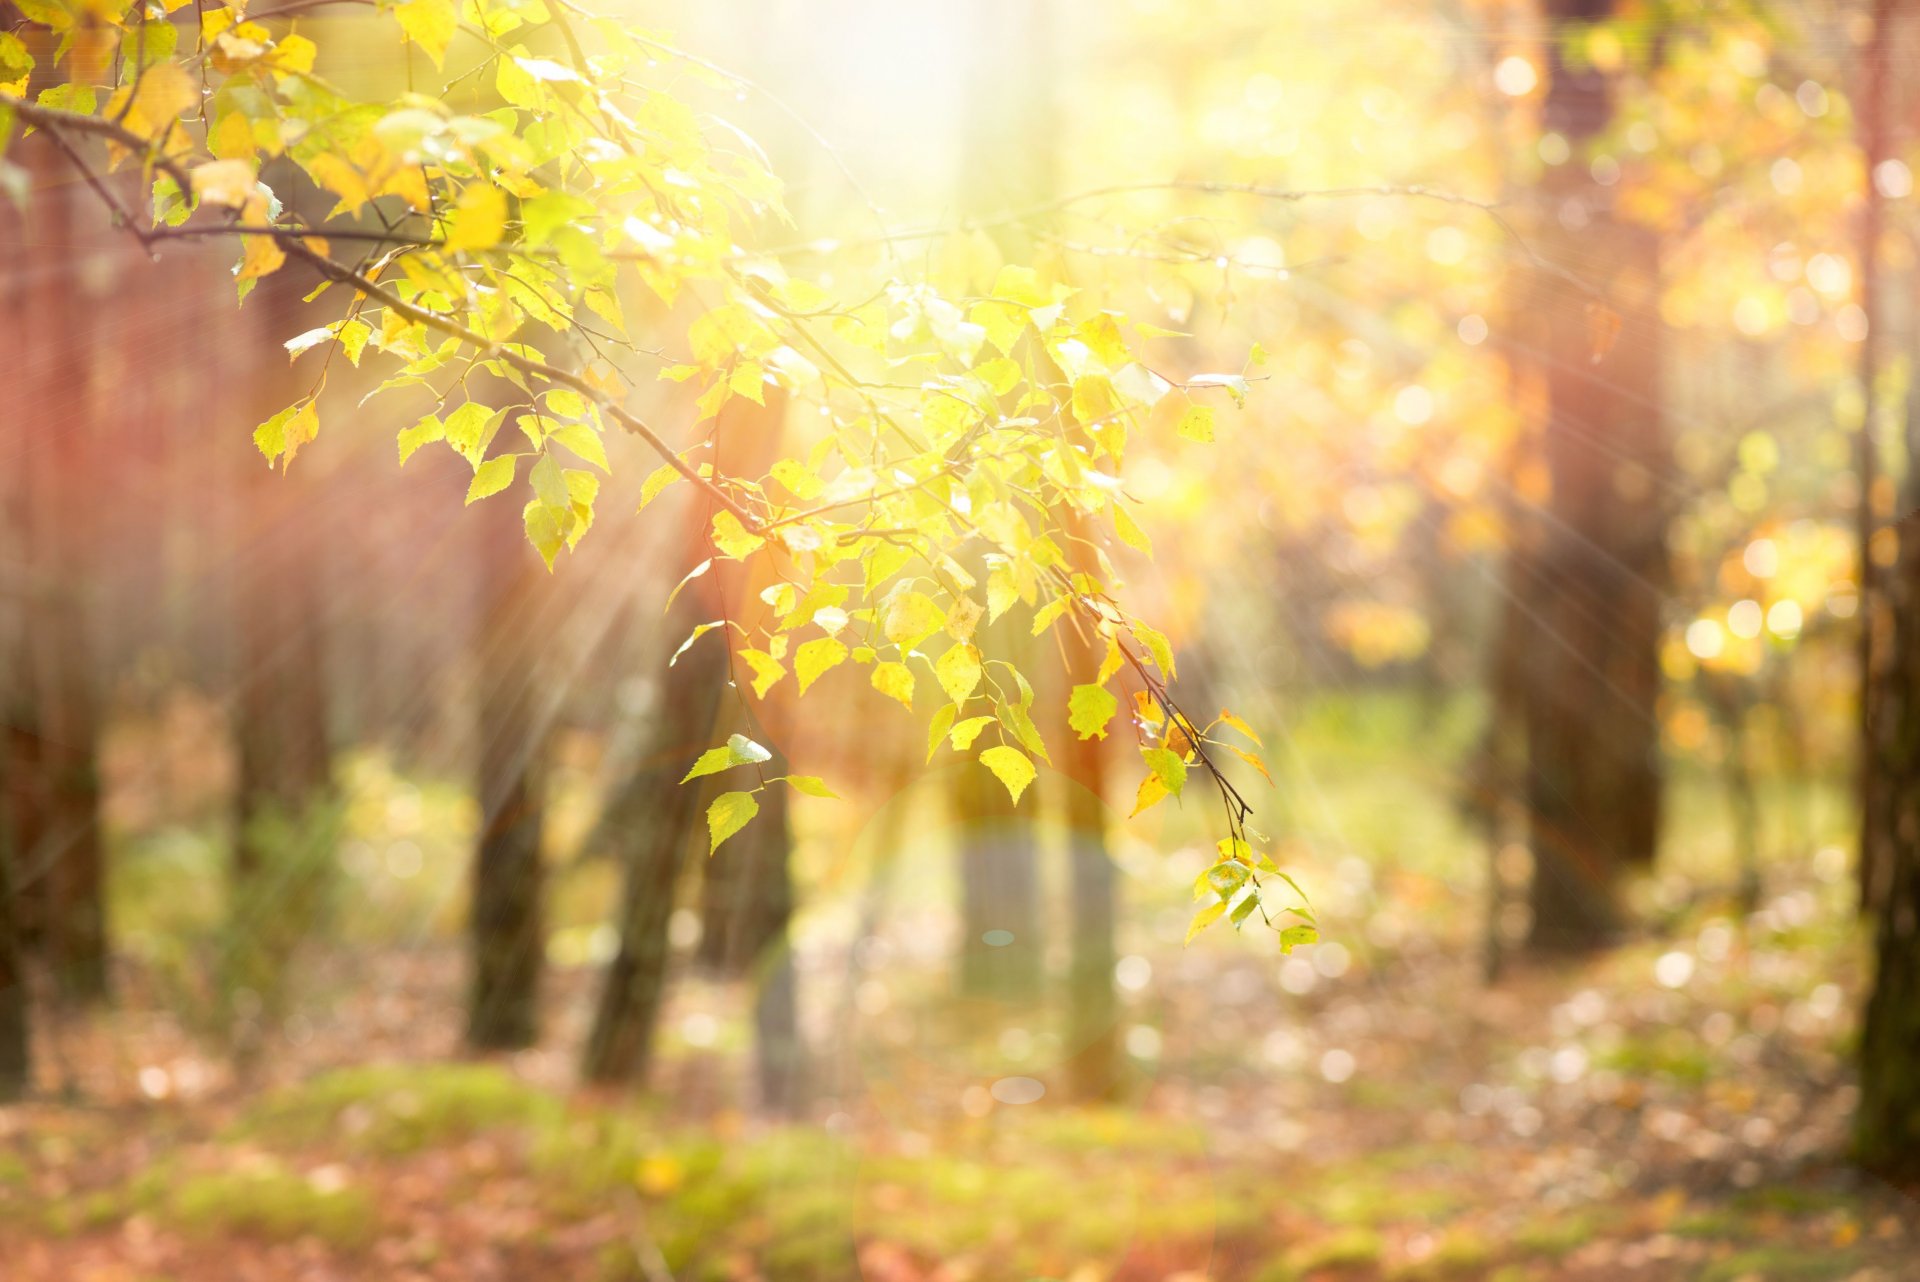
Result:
x=357 y=923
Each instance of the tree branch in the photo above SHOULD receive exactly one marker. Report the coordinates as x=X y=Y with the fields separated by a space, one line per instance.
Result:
x=293 y=242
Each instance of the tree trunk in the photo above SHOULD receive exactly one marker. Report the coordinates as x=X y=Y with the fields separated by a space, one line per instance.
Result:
x=1592 y=674
x=1887 y=1128
x=68 y=860
x=16 y=1063
x=651 y=825
x=1000 y=943
x=1092 y=1010
x=1878 y=612
x=283 y=834
x=1008 y=164
x=503 y=1010
x=746 y=894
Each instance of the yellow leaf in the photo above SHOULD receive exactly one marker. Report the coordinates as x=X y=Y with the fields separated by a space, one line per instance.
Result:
x=749 y=380
x=1205 y=918
x=1130 y=533
x=767 y=670
x=815 y=658
x=224 y=182
x=1011 y=767
x=912 y=618
x=967 y=731
x=491 y=477
x=429 y=24
x=963 y=618
x=342 y=179
x=479 y=220
x=150 y=107
x=959 y=671
x=895 y=681
x=259 y=256
x=1228 y=719
x=1197 y=423
x=657 y=480
x=732 y=538
x=1151 y=793
x=727 y=815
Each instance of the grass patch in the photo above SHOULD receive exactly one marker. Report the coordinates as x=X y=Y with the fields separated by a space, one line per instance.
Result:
x=401 y=1109
x=273 y=1203
x=1783 y=1264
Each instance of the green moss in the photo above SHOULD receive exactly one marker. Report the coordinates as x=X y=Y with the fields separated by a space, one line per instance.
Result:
x=270 y=1203
x=1555 y=1235
x=399 y=1109
x=1783 y=1264
x=1346 y=1251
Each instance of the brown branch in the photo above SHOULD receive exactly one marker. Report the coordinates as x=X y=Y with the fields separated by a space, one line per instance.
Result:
x=293 y=242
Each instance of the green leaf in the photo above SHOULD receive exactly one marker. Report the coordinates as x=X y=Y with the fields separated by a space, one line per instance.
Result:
x=1157 y=646
x=1089 y=709
x=728 y=814
x=739 y=751
x=491 y=477
x=1168 y=767
x=1291 y=937
x=958 y=671
x=1011 y=767
x=812 y=785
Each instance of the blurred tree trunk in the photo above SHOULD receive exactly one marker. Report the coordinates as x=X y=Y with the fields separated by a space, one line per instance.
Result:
x=1879 y=612
x=16 y=1062
x=64 y=870
x=1887 y=1127
x=651 y=825
x=503 y=1010
x=282 y=833
x=747 y=899
x=1093 y=1046
x=745 y=893
x=1008 y=164
x=1590 y=657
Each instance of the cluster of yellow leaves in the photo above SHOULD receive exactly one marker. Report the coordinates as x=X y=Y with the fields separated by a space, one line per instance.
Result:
x=968 y=435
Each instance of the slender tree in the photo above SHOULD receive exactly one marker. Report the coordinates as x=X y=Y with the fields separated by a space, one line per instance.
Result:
x=1092 y=1007
x=1887 y=1128
x=282 y=833
x=1590 y=673
x=651 y=825
x=15 y=1042
x=507 y=882
x=64 y=870
x=1008 y=163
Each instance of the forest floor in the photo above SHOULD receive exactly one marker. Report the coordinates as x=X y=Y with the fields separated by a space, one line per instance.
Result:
x=1674 y=1110
x=1367 y=1109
